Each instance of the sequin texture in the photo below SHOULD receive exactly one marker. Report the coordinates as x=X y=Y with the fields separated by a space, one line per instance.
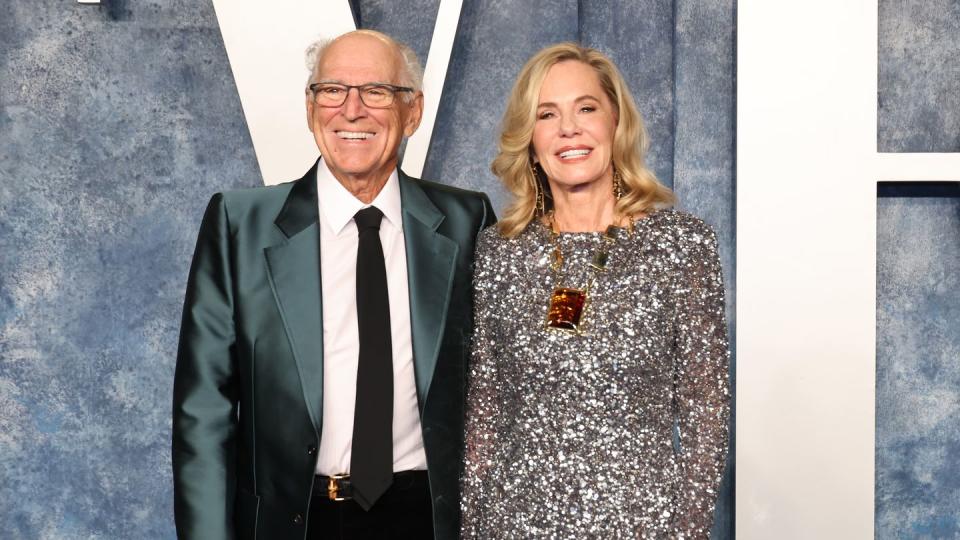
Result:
x=617 y=433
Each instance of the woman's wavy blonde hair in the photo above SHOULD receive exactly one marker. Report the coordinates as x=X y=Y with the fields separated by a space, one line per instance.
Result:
x=642 y=191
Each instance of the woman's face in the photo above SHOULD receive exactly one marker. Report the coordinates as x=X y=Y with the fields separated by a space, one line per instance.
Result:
x=573 y=134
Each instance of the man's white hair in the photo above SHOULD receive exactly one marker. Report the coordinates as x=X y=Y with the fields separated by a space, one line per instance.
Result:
x=411 y=72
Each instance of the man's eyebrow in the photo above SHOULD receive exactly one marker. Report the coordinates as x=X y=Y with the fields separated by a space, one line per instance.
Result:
x=337 y=81
x=579 y=99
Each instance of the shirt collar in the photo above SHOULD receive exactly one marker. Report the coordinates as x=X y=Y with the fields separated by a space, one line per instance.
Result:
x=338 y=206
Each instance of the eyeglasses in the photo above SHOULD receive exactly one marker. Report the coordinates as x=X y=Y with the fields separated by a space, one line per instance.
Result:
x=373 y=95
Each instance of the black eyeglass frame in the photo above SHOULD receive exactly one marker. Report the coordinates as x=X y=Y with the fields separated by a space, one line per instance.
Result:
x=392 y=88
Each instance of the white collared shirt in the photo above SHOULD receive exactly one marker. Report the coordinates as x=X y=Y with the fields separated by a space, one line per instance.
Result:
x=341 y=347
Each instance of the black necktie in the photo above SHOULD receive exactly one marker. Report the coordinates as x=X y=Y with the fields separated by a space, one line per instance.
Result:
x=371 y=462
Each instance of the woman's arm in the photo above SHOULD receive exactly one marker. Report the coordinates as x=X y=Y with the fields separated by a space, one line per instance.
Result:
x=702 y=382
x=482 y=398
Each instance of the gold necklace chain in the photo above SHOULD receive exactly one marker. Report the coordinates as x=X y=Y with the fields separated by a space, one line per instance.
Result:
x=568 y=304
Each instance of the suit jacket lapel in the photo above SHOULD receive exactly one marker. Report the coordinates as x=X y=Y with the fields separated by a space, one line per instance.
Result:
x=293 y=268
x=294 y=272
x=431 y=259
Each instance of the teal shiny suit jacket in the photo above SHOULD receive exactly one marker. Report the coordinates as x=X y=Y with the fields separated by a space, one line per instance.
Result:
x=248 y=390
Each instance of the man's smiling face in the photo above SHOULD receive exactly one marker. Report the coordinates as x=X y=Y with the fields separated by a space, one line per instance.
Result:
x=358 y=143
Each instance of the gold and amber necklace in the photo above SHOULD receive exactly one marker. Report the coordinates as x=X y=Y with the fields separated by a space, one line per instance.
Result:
x=569 y=304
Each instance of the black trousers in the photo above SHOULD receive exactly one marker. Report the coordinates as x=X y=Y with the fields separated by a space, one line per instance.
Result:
x=403 y=512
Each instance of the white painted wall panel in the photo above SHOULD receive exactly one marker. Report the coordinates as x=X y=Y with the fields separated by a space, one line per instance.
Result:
x=806 y=266
x=265 y=42
x=806 y=234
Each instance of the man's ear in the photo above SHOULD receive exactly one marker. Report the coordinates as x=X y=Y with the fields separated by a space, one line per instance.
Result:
x=414 y=115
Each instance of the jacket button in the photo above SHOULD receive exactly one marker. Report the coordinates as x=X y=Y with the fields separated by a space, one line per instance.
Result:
x=297 y=519
x=311 y=450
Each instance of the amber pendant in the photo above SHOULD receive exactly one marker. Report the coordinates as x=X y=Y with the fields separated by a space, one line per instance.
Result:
x=566 y=309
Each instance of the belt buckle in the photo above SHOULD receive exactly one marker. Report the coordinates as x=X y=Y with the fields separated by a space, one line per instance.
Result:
x=333 y=487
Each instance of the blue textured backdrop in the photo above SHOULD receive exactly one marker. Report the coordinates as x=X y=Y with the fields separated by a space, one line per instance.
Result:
x=918 y=289
x=116 y=126
x=919 y=71
x=117 y=123
x=918 y=361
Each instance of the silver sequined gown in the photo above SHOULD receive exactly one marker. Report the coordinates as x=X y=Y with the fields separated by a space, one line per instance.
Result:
x=621 y=433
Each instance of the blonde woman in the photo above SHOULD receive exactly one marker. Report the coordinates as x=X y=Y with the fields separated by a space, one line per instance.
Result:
x=597 y=402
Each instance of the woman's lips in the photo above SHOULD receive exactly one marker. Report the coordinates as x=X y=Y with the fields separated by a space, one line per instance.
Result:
x=573 y=153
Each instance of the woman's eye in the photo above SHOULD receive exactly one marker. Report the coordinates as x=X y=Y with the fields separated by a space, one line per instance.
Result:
x=544 y=115
x=588 y=108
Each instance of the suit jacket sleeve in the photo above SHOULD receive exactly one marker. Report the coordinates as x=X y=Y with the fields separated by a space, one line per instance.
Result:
x=489 y=216
x=204 y=396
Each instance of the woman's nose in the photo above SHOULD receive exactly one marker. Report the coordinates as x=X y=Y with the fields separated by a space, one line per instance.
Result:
x=568 y=126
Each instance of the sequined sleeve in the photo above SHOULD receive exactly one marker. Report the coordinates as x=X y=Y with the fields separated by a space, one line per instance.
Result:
x=701 y=379
x=482 y=402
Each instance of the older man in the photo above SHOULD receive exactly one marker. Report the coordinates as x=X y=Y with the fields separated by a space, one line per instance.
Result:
x=319 y=382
